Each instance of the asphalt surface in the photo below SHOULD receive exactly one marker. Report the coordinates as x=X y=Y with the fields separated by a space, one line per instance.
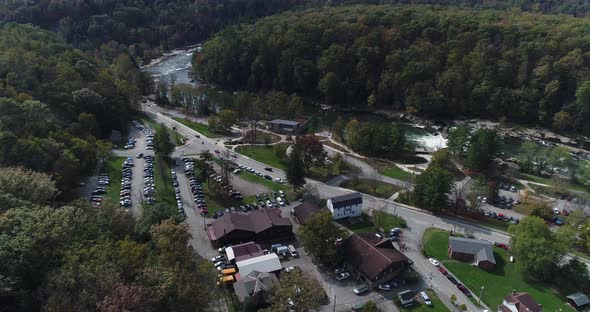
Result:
x=137 y=183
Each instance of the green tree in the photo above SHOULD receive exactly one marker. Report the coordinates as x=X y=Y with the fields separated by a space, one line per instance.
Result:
x=537 y=249
x=482 y=148
x=432 y=188
x=370 y=306
x=311 y=151
x=295 y=171
x=339 y=127
x=163 y=145
x=319 y=236
x=458 y=139
x=213 y=123
x=227 y=118
x=295 y=292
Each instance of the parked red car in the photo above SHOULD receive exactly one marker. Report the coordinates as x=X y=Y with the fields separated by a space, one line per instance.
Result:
x=464 y=290
x=500 y=245
x=442 y=270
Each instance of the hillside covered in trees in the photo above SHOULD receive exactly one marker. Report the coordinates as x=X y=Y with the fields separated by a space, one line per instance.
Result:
x=437 y=62
x=56 y=102
x=78 y=258
x=578 y=8
x=147 y=27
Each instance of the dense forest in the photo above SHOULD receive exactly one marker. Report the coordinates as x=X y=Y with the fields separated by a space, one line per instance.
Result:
x=144 y=27
x=437 y=62
x=578 y=8
x=78 y=258
x=57 y=101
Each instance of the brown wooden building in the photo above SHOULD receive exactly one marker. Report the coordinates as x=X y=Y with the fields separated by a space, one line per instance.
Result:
x=258 y=226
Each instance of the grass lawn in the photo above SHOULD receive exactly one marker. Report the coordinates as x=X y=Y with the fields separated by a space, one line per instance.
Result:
x=372 y=187
x=389 y=221
x=498 y=283
x=261 y=138
x=397 y=173
x=163 y=182
x=113 y=168
x=197 y=126
x=418 y=306
x=264 y=155
x=549 y=181
x=147 y=121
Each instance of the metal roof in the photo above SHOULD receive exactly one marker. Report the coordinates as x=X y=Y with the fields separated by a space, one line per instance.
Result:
x=579 y=299
x=483 y=250
x=347 y=200
x=266 y=263
x=284 y=122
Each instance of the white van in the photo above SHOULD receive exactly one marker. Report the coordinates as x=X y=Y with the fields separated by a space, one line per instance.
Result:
x=426 y=299
x=293 y=251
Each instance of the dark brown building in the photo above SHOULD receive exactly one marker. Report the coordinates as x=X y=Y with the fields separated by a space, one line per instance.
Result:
x=473 y=250
x=373 y=260
x=304 y=211
x=258 y=226
x=519 y=302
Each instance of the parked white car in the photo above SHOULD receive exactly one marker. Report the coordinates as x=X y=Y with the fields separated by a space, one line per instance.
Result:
x=434 y=261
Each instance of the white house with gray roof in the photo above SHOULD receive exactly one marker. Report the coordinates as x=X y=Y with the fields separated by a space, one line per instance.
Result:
x=346 y=206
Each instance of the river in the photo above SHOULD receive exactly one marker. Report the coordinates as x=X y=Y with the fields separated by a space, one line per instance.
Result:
x=176 y=63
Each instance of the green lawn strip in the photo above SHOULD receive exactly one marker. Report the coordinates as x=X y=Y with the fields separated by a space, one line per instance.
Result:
x=397 y=173
x=250 y=177
x=549 y=181
x=498 y=283
x=367 y=226
x=383 y=190
x=264 y=155
x=113 y=167
x=197 y=126
x=163 y=182
x=148 y=121
x=418 y=306
x=261 y=137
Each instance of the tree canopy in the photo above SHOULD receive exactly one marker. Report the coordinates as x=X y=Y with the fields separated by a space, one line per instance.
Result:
x=57 y=102
x=437 y=62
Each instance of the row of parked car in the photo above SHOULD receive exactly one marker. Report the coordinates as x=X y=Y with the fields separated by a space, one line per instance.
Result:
x=149 y=189
x=500 y=216
x=177 y=193
x=195 y=185
x=126 y=177
x=238 y=168
x=450 y=277
x=101 y=188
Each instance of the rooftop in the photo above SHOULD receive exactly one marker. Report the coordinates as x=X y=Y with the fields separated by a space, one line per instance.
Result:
x=483 y=250
x=284 y=122
x=361 y=253
x=256 y=221
x=266 y=263
x=347 y=200
x=579 y=299
x=254 y=283
x=305 y=210
x=523 y=302
x=243 y=251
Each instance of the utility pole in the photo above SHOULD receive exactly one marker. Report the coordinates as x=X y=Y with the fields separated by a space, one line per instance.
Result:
x=334 y=307
x=480 y=294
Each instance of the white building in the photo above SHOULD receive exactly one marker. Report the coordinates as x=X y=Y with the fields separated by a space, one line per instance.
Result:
x=346 y=206
x=266 y=263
